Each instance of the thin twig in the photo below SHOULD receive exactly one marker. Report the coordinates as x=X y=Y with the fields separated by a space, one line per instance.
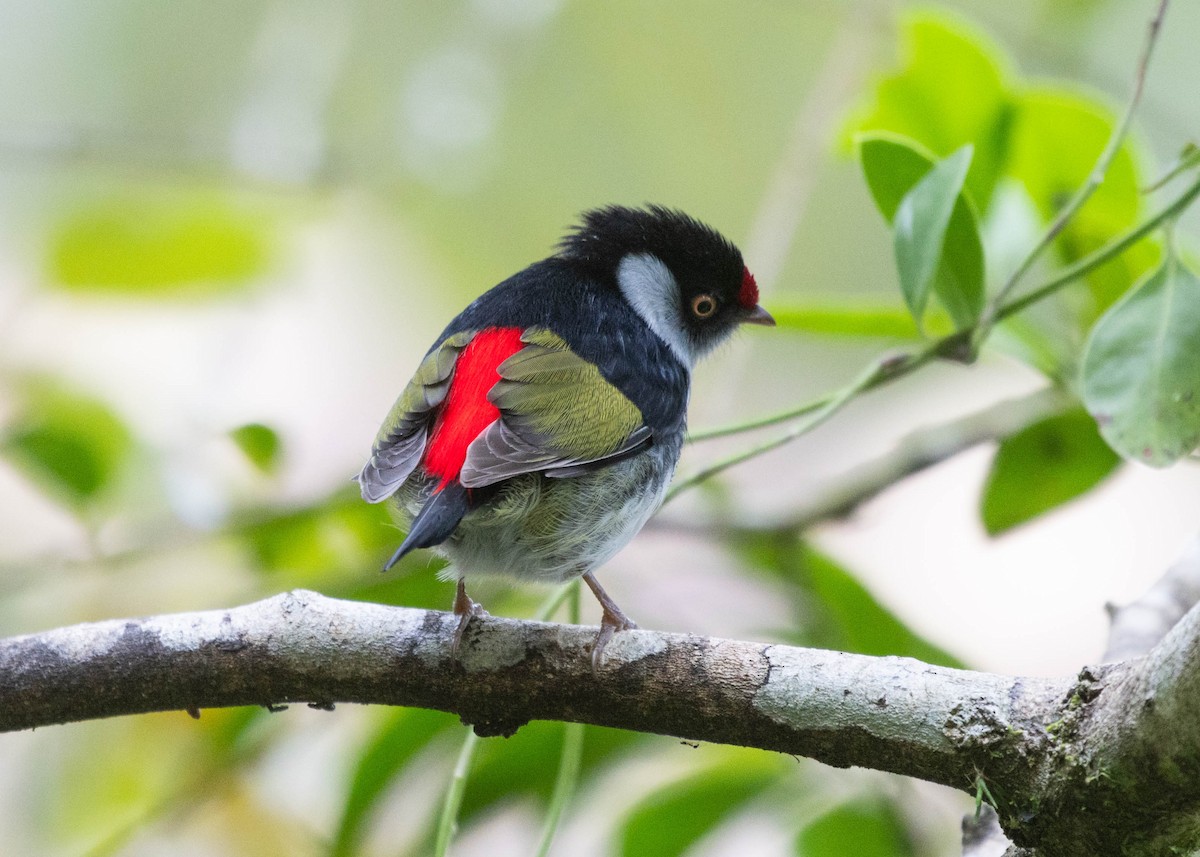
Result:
x=1084 y=193
x=952 y=347
x=912 y=454
x=872 y=377
x=570 y=761
x=448 y=820
x=762 y=422
x=1188 y=160
x=1104 y=254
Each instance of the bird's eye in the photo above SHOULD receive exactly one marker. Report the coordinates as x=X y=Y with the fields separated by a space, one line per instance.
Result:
x=703 y=306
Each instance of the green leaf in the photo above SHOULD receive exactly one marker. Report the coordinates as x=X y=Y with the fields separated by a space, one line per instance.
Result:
x=158 y=246
x=260 y=444
x=865 y=625
x=1043 y=466
x=833 y=610
x=893 y=166
x=70 y=443
x=527 y=763
x=920 y=225
x=863 y=829
x=856 y=319
x=336 y=544
x=1141 y=369
x=1057 y=136
x=671 y=820
x=402 y=735
x=950 y=91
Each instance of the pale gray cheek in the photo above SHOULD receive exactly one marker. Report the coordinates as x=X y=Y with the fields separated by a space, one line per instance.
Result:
x=651 y=290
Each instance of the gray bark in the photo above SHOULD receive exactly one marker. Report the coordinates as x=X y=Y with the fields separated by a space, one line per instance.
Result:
x=1089 y=765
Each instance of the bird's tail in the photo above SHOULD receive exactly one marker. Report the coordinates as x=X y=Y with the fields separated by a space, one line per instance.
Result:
x=435 y=522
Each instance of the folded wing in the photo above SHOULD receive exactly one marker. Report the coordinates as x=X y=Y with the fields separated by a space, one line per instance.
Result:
x=401 y=441
x=558 y=416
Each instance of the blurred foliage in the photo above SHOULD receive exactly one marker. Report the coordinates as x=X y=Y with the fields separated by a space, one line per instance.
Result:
x=158 y=245
x=1043 y=466
x=319 y=544
x=864 y=829
x=72 y=444
x=261 y=445
x=400 y=736
x=668 y=822
x=121 y=777
x=496 y=123
x=831 y=609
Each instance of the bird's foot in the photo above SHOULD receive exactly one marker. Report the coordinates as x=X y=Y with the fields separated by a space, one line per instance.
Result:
x=466 y=610
x=612 y=621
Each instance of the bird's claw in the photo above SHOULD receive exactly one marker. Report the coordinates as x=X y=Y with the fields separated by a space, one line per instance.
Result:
x=465 y=609
x=612 y=622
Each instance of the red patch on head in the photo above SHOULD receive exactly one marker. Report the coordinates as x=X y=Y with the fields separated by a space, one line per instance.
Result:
x=467 y=411
x=748 y=294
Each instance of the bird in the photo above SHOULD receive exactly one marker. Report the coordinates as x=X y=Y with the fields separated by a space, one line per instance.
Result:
x=543 y=426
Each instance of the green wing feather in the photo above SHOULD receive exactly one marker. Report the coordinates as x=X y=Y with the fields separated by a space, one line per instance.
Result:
x=401 y=440
x=558 y=416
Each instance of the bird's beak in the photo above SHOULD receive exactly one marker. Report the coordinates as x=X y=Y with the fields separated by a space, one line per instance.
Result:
x=758 y=315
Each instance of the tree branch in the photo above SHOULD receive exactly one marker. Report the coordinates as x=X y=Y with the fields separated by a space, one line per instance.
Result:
x=1094 y=180
x=1124 y=778
x=1135 y=630
x=895 y=714
x=1077 y=767
x=1138 y=627
x=913 y=453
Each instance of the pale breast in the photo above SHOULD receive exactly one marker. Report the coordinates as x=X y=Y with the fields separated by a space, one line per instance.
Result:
x=551 y=530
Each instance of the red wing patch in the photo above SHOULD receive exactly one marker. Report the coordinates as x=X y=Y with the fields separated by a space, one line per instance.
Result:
x=467 y=411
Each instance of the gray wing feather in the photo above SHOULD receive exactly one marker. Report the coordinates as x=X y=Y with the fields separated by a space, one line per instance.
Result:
x=547 y=372
x=500 y=453
x=401 y=443
x=391 y=465
x=635 y=443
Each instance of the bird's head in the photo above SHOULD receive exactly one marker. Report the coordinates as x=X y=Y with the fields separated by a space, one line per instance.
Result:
x=686 y=280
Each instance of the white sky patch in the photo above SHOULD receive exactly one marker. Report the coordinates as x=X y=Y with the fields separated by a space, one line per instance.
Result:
x=449 y=109
x=280 y=131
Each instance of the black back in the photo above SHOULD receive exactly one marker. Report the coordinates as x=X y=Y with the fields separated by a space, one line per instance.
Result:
x=599 y=325
x=576 y=295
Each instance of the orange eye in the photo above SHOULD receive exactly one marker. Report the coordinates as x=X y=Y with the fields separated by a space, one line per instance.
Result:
x=703 y=306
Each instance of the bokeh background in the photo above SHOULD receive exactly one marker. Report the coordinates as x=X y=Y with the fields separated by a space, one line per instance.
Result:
x=229 y=231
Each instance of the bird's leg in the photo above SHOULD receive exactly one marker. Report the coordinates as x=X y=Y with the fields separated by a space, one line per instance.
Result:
x=612 y=621
x=465 y=609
